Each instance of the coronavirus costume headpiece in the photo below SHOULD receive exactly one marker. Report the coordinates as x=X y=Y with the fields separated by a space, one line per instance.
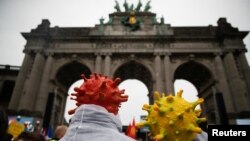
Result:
x=172 y=118
x=99 y=90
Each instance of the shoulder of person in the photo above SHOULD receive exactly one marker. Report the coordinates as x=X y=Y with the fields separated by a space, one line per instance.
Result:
x=201 y=137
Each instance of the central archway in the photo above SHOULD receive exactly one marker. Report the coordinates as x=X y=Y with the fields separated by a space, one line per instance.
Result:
x=138 y=81
x=136 y=70
x=137 y=96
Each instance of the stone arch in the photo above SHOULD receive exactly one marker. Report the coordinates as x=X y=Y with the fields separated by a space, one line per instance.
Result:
x=161 y=60
x=71 y=72
x=202 y=78
x=195 y=72
x=136 y=70
x=64 y=75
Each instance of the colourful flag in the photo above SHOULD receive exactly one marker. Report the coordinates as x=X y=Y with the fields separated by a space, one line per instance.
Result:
x=131 y=130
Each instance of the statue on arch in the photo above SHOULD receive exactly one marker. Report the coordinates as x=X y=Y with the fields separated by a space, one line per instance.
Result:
x=138 y=7
x=117 y=6
x=147 y=6
x=125 y=5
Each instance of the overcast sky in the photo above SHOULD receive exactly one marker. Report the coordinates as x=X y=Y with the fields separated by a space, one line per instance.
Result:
x=18 y=16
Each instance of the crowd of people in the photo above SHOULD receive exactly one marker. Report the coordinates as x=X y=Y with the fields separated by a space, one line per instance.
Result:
x=35 y=135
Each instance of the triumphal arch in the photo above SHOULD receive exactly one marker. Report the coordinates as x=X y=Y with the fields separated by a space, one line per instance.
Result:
x=133 y=44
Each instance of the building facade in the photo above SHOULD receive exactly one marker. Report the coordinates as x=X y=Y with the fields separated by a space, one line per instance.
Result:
x=135 y=46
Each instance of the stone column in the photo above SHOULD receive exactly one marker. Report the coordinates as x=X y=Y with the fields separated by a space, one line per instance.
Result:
x=245 y=69
x=98 y=63
x=168 y=75
x=28 y=98
x=158 y=73
x=64 y=99
x=223 y=84
x=236 y=84
x=1 y=83
x=19 y=85
x=42 y=96
x=107 y=65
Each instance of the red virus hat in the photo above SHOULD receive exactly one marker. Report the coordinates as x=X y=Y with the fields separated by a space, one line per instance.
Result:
x=99 y=90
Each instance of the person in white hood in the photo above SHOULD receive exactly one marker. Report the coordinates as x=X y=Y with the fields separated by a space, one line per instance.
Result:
x=94 y=123
x=96 y=117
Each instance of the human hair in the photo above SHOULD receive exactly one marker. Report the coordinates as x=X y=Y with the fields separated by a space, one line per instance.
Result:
x=60 y=131
x=30 y=136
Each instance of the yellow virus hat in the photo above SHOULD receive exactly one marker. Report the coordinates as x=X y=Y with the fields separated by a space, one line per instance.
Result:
x=172 y=118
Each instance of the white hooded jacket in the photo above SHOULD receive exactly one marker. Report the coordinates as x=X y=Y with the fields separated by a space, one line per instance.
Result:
x=94 y=123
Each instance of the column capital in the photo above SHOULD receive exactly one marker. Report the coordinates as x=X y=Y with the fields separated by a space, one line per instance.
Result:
x=217 y=53
x=167 y=54
x=158 y=53
x=227 y=51
x=27 y=51
x=107 y=53
x=244 y=50
x=39 y=52
x=98 y=54
x=47 y=54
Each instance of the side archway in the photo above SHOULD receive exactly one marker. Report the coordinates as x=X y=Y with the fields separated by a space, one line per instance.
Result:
x=194 y=72
x=65 y=77
x=201 y=77
x=70 y=73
